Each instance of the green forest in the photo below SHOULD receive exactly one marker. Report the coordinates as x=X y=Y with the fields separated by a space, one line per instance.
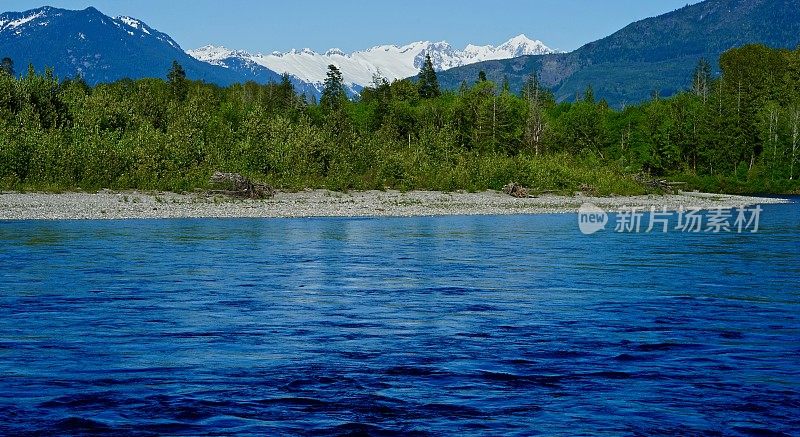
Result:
x=737 y=132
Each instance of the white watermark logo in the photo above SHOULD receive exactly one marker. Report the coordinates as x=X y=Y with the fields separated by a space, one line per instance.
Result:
x=592 y=219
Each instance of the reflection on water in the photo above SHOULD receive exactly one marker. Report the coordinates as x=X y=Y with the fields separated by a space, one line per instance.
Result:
x=380 y=326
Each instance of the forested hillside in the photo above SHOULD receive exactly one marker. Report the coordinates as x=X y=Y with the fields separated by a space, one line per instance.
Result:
x=655 y=55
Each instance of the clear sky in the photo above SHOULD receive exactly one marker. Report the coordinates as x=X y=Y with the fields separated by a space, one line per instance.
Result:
x=266 y=26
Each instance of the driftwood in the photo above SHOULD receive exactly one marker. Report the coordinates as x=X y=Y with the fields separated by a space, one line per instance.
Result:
x=589 y=190
x=515 y=190
x=234 y=184
x=658 y=184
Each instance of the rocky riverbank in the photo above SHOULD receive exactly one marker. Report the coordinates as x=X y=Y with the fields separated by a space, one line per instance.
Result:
x=322 y=203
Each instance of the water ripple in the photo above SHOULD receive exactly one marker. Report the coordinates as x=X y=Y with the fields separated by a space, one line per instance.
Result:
x=421 y=326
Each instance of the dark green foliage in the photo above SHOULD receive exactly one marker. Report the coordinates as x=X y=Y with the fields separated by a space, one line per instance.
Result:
x=7 y=67
x=177 y=81
x=333 y=95
x=537 y=127
x=701 y=80
x=286 y=92
x=428 y=83
x=588 y=95
x=739 y=132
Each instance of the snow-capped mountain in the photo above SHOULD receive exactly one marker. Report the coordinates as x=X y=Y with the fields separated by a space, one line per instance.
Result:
x=100 y=48
x=359 y=68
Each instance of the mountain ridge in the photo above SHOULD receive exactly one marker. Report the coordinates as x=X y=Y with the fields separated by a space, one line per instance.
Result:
x=360 y=67
x=652 y=56
x=656 y=55
x=99 y=48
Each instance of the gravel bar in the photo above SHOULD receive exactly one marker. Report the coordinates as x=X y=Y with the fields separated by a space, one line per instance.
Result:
x=323 y=203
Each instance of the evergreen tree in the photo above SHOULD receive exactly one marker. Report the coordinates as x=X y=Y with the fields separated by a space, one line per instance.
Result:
x=333 y=95
x=538 y=100
x=378 y=96
x=286 y=85
x=286 y=92
x=508 y=123
x=533 y=88
x=481 y=105
x=701 y=80
x=177 y=81
x=428 y=82
x=792 y=78
x=588 y=95
x=7 y=66
x=482 y=76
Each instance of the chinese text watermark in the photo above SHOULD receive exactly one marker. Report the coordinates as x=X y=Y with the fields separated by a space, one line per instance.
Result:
x=592 y=219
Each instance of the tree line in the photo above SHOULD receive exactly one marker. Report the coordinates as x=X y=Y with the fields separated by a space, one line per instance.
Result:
x=738 y=132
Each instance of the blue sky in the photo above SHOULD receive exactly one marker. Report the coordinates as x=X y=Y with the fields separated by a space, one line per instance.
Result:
x=267 y=26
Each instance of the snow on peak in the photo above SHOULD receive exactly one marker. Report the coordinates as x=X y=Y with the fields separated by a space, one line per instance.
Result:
x=336 y=52
x=217 y=55
x=129 y=23
x=9 y=24
x=306 y=51
x=521 y=40
x=132 y=22
x=441 y=45
x=211 y=53
x=521 y=45
x=390 y=61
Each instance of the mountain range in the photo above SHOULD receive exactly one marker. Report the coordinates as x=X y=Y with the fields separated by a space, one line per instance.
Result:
x=97 y=47
x=101 y=49
x=655 y=55
x=360 y=67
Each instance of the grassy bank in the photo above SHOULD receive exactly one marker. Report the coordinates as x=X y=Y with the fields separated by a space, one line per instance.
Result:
x=119 y=165
x=124 y=168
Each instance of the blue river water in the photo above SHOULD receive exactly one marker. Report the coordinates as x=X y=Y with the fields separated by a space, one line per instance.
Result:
x=516 y=325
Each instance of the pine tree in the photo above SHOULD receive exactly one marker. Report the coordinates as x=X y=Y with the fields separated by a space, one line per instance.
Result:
x=286 y=91
x=177 y=81
x=792 y=78
x=534 y=89
x=482 y=76
x=286 y=83
x=538 y=99
x=428 y=82
x=7 y=66
x=701 y=81
x=333 y=95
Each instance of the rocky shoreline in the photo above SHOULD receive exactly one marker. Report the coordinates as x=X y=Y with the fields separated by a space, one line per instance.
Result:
x=323 y=203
